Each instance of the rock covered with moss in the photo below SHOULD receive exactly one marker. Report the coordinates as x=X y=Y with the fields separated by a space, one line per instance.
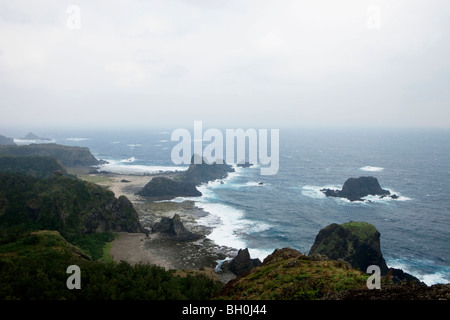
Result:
x=355 y=242
x=287 y=274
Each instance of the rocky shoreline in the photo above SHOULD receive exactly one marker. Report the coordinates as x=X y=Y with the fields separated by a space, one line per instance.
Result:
x=158 y=248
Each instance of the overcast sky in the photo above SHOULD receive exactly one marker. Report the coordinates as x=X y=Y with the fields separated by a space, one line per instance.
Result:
x=233 y=63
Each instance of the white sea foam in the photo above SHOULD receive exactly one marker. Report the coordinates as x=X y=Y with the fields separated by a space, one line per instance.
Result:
x=132 y=145
x=441 y=276
x=120 y=167
x=132 y=159
x=314 y=192
x=78 y=139
x=371 y=169
x=37 y=141
x=261 y=254
x=226 y=222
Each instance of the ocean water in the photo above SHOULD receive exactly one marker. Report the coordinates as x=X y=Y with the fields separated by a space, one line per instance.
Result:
x=288 y=210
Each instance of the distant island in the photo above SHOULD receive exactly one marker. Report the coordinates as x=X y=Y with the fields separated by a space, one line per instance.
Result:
x=32 y=136
x=355 y=189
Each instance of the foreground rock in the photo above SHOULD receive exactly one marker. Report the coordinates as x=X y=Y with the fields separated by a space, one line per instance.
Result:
x=174 y=228
x=241 y=263
x=358 y=243
x=287 y=274
x=355 y=189
x=166 y=188
x=200 y=171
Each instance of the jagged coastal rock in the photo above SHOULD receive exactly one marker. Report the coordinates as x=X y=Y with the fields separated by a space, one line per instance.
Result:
x=241 y=263
x=354 y=189
x=174 y=228
x=358 y=243
x=166 y=188
x=203 y=172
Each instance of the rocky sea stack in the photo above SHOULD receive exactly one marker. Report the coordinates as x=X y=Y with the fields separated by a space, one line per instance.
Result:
x=241 y=263
x=358 y=243
x=174 y=228
x=166 y=188
x=201 y=171
x=355 y=189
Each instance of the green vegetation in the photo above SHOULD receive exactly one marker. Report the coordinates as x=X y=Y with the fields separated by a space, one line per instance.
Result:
x=94 y=178
x=94 y=244
x=73 y=207
x=34 y=267
x=68 y=155
x=35 y=166
x=362 y=230
x=289 y=275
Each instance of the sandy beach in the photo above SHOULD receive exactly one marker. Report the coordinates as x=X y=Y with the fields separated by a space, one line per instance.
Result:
x=158 y=249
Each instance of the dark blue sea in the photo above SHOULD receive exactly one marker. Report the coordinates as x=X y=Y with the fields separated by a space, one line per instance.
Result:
x=288 y=210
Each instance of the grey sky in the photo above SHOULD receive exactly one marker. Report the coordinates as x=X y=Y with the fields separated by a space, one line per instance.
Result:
x=248 y=63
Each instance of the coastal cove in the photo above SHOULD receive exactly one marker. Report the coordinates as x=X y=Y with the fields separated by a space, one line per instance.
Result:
x=155 y=248
x=244 y=213
x=244 y=210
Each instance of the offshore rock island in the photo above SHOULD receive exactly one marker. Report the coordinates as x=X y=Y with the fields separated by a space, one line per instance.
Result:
x=355 y=189
x=55 y=213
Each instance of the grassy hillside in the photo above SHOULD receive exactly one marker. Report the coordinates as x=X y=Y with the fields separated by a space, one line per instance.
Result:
x=34 y=166
x=34 y=267
x=69 y=156
x=71 y=206
x=289 y=275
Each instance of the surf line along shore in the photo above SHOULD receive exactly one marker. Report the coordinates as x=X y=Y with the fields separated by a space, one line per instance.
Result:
x=157 y=249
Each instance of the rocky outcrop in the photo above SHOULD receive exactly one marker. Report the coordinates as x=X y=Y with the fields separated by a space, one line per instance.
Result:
x=69 y=156
x=200 y=171
x=358 y=243
x=241 y=263
x=354 y=189
x=174 y=228
x=165 y=188
x=70 y=206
